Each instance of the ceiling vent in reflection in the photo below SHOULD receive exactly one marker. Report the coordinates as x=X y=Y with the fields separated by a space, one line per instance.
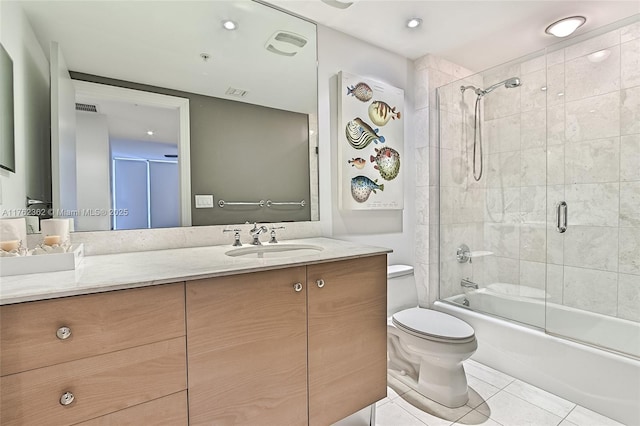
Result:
x=285 y=43
x=86 y=107
x=236 y=92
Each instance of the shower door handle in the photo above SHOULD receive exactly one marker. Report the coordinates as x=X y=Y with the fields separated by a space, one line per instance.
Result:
x=561 y=217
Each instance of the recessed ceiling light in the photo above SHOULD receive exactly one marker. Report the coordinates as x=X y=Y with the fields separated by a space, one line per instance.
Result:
x=414 y=22
x=229 y=25
x=566 y=26
x=150 y=132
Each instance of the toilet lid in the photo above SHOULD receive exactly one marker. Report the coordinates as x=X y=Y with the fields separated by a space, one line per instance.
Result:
x=433 y=323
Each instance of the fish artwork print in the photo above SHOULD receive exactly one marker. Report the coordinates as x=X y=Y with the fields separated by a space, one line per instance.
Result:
x=362 y=187
x=360 y=134
x=380 y=113
x=358 y=162
x=387 y=162
x=361 y=91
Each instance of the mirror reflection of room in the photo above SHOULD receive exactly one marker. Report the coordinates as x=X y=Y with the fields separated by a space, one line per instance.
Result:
x=235 y=141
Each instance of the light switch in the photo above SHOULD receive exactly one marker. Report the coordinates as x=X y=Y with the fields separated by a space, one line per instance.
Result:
x=204 y=201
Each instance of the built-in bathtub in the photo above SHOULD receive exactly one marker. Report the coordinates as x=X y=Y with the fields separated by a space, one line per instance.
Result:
x=603 y=381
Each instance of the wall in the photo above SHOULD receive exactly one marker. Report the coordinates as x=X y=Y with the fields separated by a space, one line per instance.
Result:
x=31 y=108
x=92 y=170
x=336 y=52
x=393 y=229
x=432 y=72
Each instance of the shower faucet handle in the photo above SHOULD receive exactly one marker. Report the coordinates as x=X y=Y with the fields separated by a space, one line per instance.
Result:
x=463 y=254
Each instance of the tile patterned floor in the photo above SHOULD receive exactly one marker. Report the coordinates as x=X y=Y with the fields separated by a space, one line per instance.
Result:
x=495 y=399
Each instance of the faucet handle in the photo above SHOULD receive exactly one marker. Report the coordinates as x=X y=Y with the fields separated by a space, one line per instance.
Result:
x=273 y=239
x=236 y=241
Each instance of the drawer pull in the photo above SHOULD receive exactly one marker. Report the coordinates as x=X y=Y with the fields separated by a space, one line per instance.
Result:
x=297 y=287
x=63 y=333
x=320 y=283
x=67 y=398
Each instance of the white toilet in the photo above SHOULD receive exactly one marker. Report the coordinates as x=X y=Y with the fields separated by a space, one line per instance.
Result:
x=426 y=347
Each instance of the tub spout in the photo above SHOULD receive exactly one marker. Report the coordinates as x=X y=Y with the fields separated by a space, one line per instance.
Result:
x=468 y=284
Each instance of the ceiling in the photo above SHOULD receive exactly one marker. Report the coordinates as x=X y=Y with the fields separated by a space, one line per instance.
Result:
x=160 y=43
x=474 y=34
x=130 y=121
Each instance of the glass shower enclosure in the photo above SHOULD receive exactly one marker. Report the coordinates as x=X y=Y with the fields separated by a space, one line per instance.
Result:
x=539 y=189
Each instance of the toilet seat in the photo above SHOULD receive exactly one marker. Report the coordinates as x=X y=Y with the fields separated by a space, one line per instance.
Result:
x=433 y=325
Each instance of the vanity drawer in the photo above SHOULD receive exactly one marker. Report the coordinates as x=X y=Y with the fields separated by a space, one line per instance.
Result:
x=100 y=385
x=167 y=411
x=99 y=323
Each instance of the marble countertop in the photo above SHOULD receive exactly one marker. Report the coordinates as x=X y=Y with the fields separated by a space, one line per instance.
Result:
x=145 y=268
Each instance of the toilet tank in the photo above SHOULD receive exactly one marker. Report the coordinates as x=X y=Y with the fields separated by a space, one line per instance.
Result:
x=401 y=288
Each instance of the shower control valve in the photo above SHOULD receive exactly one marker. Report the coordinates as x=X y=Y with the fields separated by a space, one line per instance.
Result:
x=463 y=254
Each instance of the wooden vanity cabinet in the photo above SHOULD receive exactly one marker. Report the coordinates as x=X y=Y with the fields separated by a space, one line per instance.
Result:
x=260 y=352
x=122 y=350
x=302 y=345
x=247 y=349
x=347 y=334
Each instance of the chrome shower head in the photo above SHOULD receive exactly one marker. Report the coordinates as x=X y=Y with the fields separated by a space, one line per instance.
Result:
x=509 y=83
x=512 y=82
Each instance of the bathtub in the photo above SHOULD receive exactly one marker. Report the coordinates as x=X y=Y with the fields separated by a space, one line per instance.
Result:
x=600 y=380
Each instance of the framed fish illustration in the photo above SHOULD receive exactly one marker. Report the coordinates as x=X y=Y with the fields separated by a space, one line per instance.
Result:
x=370 y=144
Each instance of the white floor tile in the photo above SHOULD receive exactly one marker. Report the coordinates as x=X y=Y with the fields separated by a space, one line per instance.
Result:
x=567 y=423
x=391 y=414
x=487 y=374
x=476 y=418
x=548 y=401
x=361 y=418
x=391 y=394
x=583 y=417
x=479 y=391
x=508 y=409
x=396 y=385
x=428 y=411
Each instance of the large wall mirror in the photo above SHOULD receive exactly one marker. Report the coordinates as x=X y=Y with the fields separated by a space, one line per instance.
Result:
x=162 y=115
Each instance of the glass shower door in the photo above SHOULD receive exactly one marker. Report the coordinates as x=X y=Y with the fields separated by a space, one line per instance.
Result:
x=493 y=191
x=593 y=149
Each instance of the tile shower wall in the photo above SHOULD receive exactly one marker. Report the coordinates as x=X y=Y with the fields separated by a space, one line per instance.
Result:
x=593 y=151
x=570 y=132
x=430 y=72
x=513 y=187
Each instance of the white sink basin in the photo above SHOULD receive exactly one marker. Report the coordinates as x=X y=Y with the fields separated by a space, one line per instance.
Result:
x=275 y=251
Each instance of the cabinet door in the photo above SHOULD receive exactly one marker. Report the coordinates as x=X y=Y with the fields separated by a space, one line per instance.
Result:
x=166 y=411
x=347 y=337
x=98 y=323
x=247 y=349
x=100 y=385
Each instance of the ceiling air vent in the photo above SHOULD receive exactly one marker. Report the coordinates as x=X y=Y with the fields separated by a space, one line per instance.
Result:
x=285 y=43
x=236 y=92
x=86 y=107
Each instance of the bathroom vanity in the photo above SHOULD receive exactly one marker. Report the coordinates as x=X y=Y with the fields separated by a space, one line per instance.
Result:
x=297 y=340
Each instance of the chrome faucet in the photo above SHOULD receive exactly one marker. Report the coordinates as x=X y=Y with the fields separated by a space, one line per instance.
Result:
x=468 y=284
x=273 y=239
x=255 y=233
x=236 y=237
